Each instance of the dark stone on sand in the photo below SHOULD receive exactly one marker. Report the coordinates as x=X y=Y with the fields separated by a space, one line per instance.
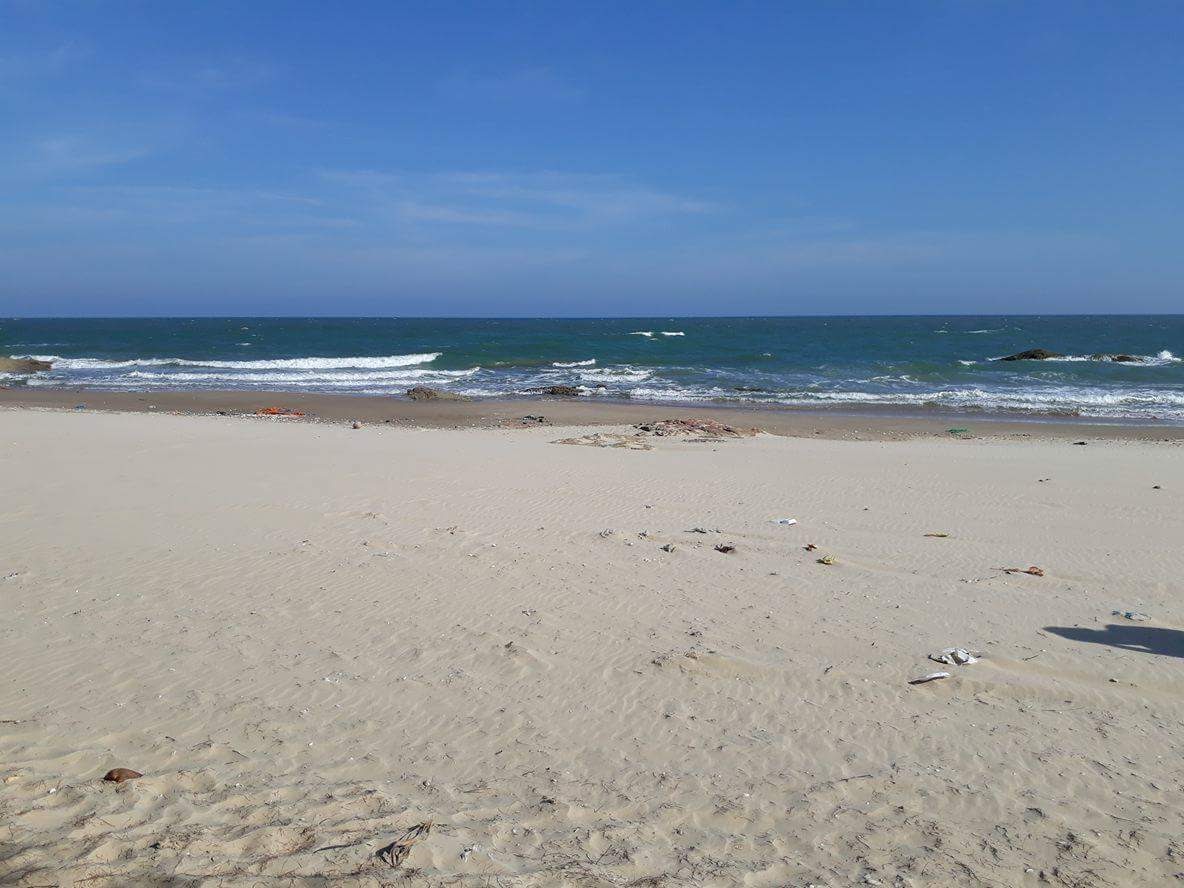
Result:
x=118 y=775
x=1033 y=354
x=561 y=391
x=423 y=393
x=23 y=365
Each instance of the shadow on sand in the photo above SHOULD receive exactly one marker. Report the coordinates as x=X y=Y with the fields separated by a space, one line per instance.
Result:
x=1145 y=639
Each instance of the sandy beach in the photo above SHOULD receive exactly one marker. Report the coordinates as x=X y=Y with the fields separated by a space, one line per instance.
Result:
x=311 y=638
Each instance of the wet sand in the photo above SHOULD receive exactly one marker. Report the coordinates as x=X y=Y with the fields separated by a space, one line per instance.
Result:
x=490 y=413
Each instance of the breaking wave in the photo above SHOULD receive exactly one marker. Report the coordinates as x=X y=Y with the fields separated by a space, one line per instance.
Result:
x=360 y=363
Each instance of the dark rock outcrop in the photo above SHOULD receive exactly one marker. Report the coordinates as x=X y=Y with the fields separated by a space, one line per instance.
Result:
x=562 y=391
x=1033 y=354
x=23 y=365
x=423 y=393
x=1126 y=359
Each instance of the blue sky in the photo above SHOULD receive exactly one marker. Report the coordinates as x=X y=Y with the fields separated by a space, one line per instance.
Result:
x=590 y=159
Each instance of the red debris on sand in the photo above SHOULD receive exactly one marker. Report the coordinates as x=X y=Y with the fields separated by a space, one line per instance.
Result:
x=277 y=411
x=1030 y=571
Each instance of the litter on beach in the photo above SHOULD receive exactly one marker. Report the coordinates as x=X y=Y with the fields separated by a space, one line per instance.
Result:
x=941 y=535
x=785 y=521
x=955 y=656
x=828 y=559
x=932 y=676
x=277 y=411
x=1032 y=571
x=1135 y=616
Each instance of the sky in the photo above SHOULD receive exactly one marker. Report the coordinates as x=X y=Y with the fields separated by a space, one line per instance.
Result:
x=589 y=159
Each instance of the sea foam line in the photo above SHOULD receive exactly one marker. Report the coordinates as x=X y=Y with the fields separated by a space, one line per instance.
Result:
x=310 y=363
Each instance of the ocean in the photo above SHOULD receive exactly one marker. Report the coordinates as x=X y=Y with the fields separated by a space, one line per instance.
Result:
x=908 y=363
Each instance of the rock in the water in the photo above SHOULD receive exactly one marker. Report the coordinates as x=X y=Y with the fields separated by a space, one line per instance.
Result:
x=24 y=365
x=1126 y=359
x=423 y=393
x=562 y=391
x=1033 y=354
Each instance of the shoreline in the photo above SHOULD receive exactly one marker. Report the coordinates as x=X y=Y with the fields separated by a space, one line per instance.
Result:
x=824 y=422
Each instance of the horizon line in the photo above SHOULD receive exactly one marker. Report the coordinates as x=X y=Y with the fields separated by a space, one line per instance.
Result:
x=415 y=317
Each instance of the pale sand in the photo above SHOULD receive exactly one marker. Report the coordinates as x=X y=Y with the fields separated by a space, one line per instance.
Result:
x=308 y=636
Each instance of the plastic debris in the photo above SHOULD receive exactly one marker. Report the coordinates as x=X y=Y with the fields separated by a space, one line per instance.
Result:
x=828 y=560
x=669 y=547
x=785 y=521
x=606 y=533
x=725 y=548
x=809 y=547
x=955 y=656
x=932 y=676
x=941 y=535
x=1136 y=616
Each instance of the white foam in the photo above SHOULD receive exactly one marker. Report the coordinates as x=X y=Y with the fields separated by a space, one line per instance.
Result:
x=336 y=378
x=358 y=363
x=673 y=333
x=588 y=363
x=649 y=334
x=615 y=374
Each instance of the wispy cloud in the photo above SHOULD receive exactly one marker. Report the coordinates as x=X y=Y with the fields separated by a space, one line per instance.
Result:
x=66 y=154
x=51 y=61
x=546 y=199
x=211 y=74
x=531 y=84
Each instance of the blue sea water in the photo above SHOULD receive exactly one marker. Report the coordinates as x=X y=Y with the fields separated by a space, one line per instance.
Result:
x=856 y=362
